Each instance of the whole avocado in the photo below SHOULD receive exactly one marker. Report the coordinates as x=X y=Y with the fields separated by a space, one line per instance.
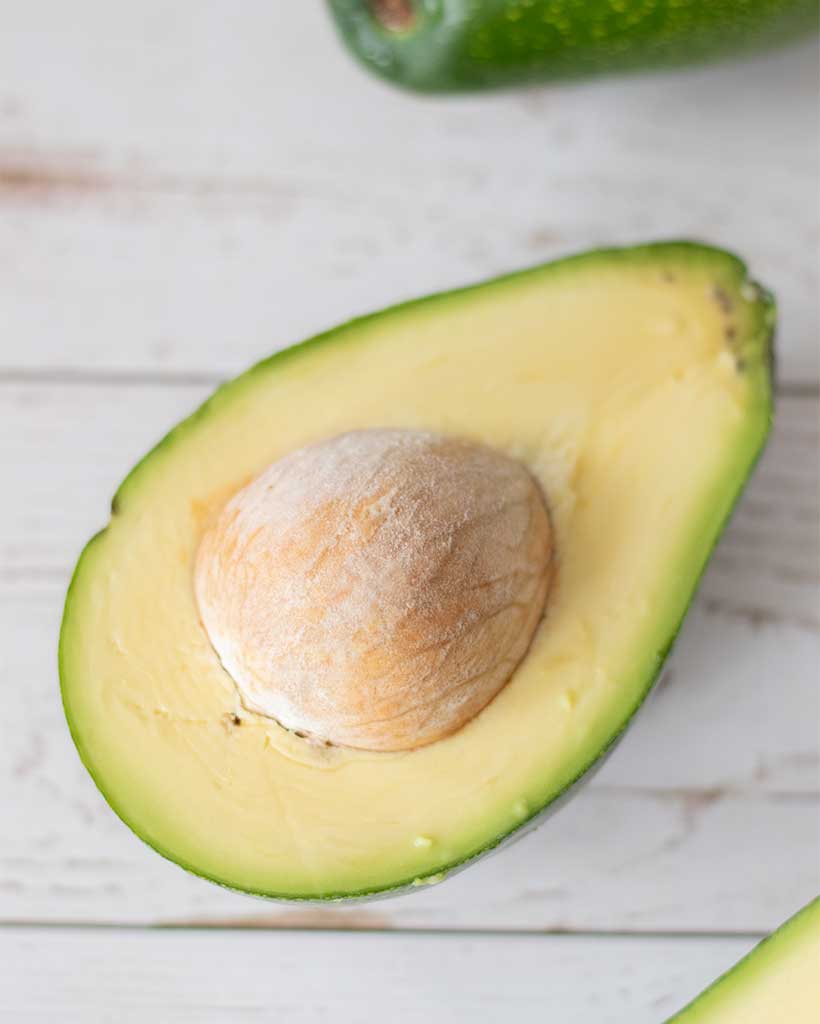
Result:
x=456 y=45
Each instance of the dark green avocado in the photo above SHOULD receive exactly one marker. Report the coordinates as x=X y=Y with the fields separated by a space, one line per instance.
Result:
x=452 y=45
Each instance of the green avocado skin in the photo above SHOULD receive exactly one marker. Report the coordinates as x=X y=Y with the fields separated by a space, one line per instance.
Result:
x=456 y=45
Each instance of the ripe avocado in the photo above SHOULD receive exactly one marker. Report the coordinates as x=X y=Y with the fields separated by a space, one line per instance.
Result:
x=635 y=387
x=450 y=45
x=778 y=981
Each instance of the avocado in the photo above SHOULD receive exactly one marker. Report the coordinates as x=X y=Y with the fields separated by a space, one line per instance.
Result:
x=778 y=981
x=451 y=45
x=601 y=413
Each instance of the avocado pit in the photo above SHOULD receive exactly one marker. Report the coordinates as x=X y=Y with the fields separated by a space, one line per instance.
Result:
x=377 y=589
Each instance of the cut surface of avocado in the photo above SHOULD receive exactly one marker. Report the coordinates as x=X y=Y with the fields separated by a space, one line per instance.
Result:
x=633 y=384
x=778 y=981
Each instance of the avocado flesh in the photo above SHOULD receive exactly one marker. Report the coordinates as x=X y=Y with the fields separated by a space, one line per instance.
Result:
x=778 y=981
x=453 y=45
x=634 y=383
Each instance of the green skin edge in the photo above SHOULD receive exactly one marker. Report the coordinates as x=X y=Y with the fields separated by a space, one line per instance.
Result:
x=707 y=999
x=683 y=249
x=460 y=45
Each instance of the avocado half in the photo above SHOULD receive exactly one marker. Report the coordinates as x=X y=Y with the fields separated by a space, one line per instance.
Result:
x=455 y=45
x=778 y=981
x=635 y=384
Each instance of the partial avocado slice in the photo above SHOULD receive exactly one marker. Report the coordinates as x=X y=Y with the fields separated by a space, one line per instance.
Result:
x=778 y=981
x=635 y=385
x=454 y=45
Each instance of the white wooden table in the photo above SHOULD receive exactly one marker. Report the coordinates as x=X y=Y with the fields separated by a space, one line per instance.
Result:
x=185 y=187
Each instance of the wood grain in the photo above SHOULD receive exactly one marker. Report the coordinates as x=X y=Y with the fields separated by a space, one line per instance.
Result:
x=242 y=184
x=186 y=188
x=221 y=978
x=716 y=783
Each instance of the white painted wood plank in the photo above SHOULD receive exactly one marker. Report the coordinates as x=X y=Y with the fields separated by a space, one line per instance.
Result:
x=190 y=189
x=716 y=783
x=211 y=977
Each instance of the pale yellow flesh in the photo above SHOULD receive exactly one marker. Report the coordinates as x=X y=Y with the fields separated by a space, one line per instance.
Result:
x=778 y=981
x=616 y=386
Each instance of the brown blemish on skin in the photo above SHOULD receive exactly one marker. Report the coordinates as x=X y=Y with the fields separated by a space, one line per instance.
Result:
x=309 y=918
x=668 y=276
x=395 y=15
x=721 y=297
x=730 y=333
